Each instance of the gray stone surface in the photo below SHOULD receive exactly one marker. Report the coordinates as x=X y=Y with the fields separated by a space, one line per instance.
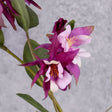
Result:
x=94 y=90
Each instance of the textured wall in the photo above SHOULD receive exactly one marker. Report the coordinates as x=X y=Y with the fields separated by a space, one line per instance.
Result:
x=94 y=90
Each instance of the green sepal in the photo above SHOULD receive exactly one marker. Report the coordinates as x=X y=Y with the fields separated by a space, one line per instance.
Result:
x=32 y=101
x=72 y=24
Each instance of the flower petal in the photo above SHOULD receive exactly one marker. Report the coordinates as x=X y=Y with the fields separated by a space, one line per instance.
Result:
x=62 y=83
x=53 y=86
x=46 y=87
x=83 y=53
x=77 y=60
x=46 y=46
x=1 y=20
x=63 y=36
x=48 y=74
x=60 y=69
x=74 y=70
x=80 y=39
x=35 y=79
x=32 y=2
x=31 y=63
x=66 y=57
x=81 y=31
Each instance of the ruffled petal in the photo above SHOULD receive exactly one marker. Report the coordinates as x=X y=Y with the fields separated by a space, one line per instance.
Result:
x=81 y=31
x=62 y=83
x=62 y=37
x=74 y=70
x=48 y=74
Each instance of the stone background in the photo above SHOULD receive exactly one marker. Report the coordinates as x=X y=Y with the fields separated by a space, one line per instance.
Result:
x=94 y=90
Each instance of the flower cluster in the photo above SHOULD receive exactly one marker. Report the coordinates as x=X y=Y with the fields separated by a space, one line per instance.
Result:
x=9 y=12
x=64 y=56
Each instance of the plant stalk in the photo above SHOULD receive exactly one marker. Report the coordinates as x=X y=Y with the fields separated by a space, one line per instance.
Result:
x=56 y=104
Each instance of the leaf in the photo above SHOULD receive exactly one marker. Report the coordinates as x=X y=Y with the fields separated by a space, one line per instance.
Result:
x=1 y=38
x=23 y=17
x=27 y=57
x=34 y=21
x=72 y=24
x=32 y=101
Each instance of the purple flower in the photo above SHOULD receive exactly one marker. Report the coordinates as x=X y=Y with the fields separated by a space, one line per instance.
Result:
x=64 y=56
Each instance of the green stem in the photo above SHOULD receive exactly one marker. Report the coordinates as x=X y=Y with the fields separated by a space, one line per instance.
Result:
x=55 y=101
x=108 y=109
x=56 y=105
x=22 y=62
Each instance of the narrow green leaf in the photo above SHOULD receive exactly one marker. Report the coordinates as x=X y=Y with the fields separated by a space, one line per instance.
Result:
x=1 y=38
x=72 y=24
x=32 y=101
x=34 y=21
x=27 y=57
x=23 y=17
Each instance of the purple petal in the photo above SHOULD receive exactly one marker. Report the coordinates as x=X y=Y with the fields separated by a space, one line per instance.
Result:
x=35 y=79
x=66 y=57
x=53 y=47
x=74 y=70
x=9 y=16
x=40 y=72
x=80 y=40
x=46 y=46
x=59 y=26
x=46 y=87
x=10 y=7
x=1 y=20
x=32 y=2
x=82 y=31
x=31 y=63
x=63 y=83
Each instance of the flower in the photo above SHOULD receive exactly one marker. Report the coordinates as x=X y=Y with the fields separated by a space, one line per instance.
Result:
x=63 y=56
x=76 y=37
x=57 y=73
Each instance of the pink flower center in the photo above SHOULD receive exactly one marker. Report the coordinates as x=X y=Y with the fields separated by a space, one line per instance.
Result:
x=54 y=70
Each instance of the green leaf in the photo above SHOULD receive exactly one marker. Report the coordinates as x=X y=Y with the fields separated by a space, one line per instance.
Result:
x=27 y=57
x=72 y=24
x=1 y=38
x=23 y=17
x=34 y=21
x=32 y=101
